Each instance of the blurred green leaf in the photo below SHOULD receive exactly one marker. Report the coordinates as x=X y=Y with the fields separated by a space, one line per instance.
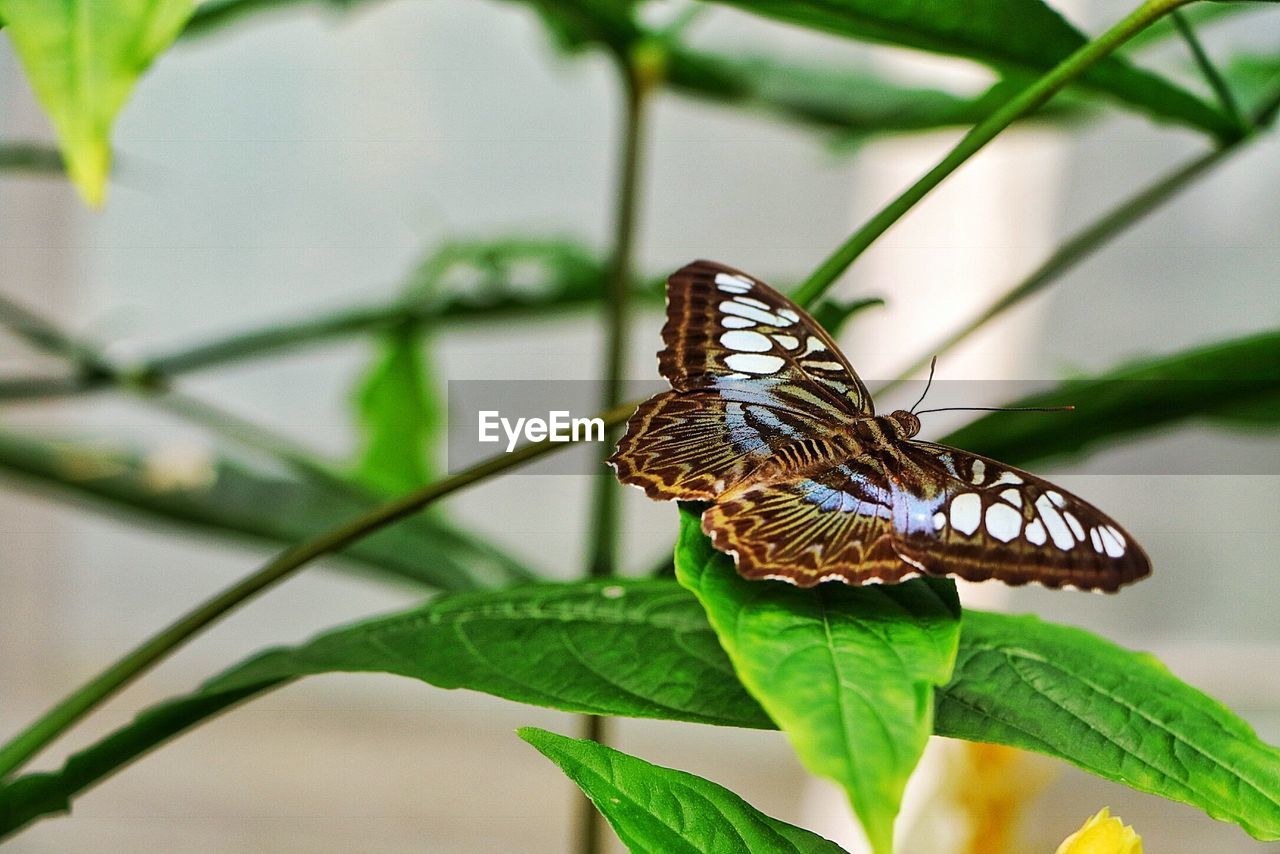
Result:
x=226 y=498
x=833 y=314
x=645 y=649
x=1232 y=382
x=660 y=809
x=30 y=157
x=1012 y=36
x=83 y=58
x=854 y=105
x=399 y=414
x=1253 y=77
x=847 y=672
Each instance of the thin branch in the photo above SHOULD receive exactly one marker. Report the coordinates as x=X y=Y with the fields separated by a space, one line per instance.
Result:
x=1210 y=71
x=602 y=558
x=1025 y=102
x=1094 y=236
x=65 y=714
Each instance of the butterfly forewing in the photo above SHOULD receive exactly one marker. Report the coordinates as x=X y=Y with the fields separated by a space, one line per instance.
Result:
x=989 y=520
x=725 y=328
x=750 y=372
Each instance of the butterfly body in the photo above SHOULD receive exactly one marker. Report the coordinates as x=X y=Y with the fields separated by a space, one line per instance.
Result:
x=767 y=420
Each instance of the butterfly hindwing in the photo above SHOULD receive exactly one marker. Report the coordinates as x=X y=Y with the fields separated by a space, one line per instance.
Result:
x=836 y=524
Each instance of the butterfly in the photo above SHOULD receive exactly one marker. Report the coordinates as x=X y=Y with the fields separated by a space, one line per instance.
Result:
x=766 y=419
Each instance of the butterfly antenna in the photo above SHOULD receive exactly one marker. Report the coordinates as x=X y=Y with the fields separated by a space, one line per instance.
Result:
x=1000 y=409
x=933 y=363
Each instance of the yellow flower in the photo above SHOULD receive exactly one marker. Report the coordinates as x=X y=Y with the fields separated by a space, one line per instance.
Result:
x=1102 y=834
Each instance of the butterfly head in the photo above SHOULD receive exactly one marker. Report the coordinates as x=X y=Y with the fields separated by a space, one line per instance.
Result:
x=905 y=423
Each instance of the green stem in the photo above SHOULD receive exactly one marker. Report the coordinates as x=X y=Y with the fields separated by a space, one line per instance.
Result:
x=602 y=557
x=93 y=693
x=1094 y=236
x=1211 y=74
x=1025 y=102
x=603 y=550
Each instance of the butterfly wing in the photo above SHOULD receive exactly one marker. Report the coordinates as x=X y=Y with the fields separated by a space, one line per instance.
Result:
x=750 y=371
x=725 y=327
x=985 y=519
x=923 y=509
x=835 y=524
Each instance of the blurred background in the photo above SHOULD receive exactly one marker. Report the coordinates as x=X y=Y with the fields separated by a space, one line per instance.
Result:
x=307 y=159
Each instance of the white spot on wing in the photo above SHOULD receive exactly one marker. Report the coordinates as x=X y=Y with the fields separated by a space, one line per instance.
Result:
x=966 y=512
x=1056 y=498
x=736 y=323
x=813 y=345
x=753 y=363
x=939 y=520
x=732 y=284
x=1074 y=523
x=746 y=342
x=789 y=314
x=1003 y=522
x=752 y=313
x=1112 y=540
x=755 y=302
x=1007 y=477
x=788 y=341
x=1035 y=533
x=1096 y=538
x=979 y=471
x=1013 y=496
x=1057 y=528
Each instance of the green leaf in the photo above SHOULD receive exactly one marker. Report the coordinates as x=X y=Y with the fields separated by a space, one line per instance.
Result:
x=854 y=105
x=1012 y=36
x=83 y=58
x=1119 y=714
x=660 y=809
x=847 y=672
x=399 y=415
x=833 y=314
x=645 y=649
x=1232 y=382
x=227 y=498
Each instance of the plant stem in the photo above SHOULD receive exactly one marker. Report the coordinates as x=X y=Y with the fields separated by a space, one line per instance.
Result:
x=1211 y=74
x=1026 y=101
x=602 y=557
x=1096 y=235
x=93 y=693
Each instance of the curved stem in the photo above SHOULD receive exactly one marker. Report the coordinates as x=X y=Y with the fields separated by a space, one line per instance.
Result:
x=93 y=693
x=1026 y=101
x=1096 y=235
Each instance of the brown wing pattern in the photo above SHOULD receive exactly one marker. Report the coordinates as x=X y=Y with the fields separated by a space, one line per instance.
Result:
x=990 y=520
x=693 y=446
x=923 y=509
x=750 y=372
x=725 y=328
x=837 y=524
